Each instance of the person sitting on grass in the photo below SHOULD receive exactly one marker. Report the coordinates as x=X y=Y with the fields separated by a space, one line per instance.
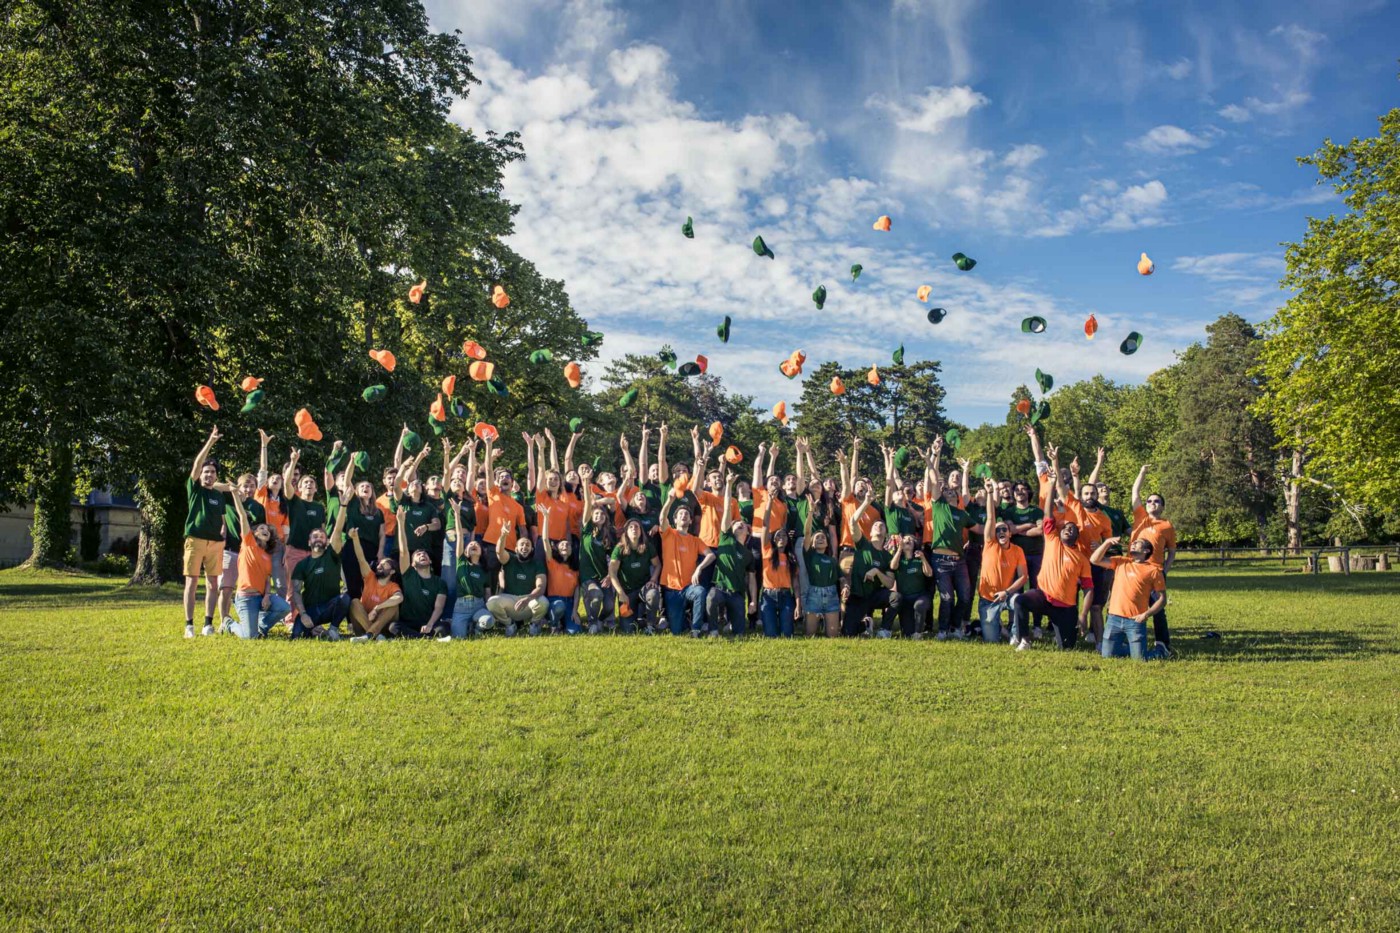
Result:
x=258 y=606
x=634 y=570
x=1003 y=573
x=469 y=613
x=380 y=597
x=561 y=573
x=316 y=597
x=204 y=536
x=912 y=571
x=1063 y=571
x=523 y=582
x=871 y=586
x=424 y=593
x=1139 y=590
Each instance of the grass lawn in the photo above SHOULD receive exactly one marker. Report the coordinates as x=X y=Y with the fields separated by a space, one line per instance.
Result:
x=666 y=783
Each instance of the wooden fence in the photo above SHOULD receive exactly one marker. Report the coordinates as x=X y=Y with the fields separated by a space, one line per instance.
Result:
x=1354 y=557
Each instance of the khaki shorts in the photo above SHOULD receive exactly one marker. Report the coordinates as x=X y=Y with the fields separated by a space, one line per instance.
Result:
x=204 y=558
x=230 y=579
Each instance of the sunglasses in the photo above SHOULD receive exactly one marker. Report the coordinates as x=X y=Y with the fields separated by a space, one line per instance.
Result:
x=1154 y=501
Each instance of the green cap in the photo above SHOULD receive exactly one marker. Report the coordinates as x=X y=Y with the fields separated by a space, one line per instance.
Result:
x=901 y=458
x=334 y=461
x=374 y=393
x=819 y=296
x=412 y=443
x=541 y=356
x=688 y=228
x=898 y=356
x=575 y=424
x=668 y=357
x=1033 y=325
x=761 y=248
x=361 y=461
x=856 y=270
x=954 y=439
x=723 y=330
x=1130 y=344
x=936 y=315
x=1040 y=412
x=596 y=461
x=458 y=408
x=497 y=386
x=591 y=338
x=1045 y=381
x=982 y=471
x=964 y=263
x=439 y=427
x=689 y=369
x=628 y=398
x=253 y=400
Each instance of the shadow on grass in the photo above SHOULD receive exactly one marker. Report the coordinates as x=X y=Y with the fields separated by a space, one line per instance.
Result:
x=16 y=592
x=1361 y=584
x=1318 y=645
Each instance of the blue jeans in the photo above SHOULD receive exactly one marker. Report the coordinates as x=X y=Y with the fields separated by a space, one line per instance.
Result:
x=675 y=607
x=775 y=607
x=330 y=613
x=449 y=574
x=989 y=614
x=1123 y=637
x=950 y=572
x=561 y=614
x=724 y=606
x=467 y=615
x=253 y=620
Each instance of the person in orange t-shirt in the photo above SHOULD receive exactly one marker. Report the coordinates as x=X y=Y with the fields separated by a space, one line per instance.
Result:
x=777 y=603
x=505 y=518
x=1148 y=523
x=1094 y=525
x=683 y=557
x=1064 y=571
x=380 y=598
x=259 y=607
x=1139 y=591
x=1003 y=573
x=561 y=574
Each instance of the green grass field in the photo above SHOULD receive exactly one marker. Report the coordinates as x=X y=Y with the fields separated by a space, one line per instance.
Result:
x=668 y=783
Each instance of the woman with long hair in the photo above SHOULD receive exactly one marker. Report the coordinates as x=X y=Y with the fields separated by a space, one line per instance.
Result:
x=776 y=604
x=634 y=569
x=821 y=602
x=596 y=544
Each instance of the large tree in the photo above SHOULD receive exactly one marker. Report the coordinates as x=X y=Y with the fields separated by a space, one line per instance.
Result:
x=1332 y=351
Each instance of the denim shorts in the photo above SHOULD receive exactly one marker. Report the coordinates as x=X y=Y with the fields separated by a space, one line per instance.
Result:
x=820 y=600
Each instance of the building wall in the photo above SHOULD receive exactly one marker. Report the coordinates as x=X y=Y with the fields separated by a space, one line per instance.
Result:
x=119 y=523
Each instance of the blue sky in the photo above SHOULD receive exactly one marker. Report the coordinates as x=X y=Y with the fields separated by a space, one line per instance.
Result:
x=1053 y=142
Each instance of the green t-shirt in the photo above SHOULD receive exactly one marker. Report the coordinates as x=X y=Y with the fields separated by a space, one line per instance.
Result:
x=471 y=579
x=1015 y=515
x=634 y=569
x=303 y=518
x=732 y=561
x=948 y=523
x=520 y=574
x=746 y=510
x=865 y=558
x=415 y=515
x=205 y=519
x=796 y=513
x=688 y=500
x=909 y=576
x=420 y=594
x=821 y=568
x=468 y=514
x=902 y=520
x=371 y=526
x=1120 y=527
x=648 y=519
x=654 y=495
x=320 y=578
x=256 y=516
x=592 y=557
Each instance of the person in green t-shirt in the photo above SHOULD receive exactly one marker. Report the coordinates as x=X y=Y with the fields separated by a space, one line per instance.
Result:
x=361 y=513
x=599 y=537
x=821 y=602
x=424 y=593
x=912 y=573
x=947 y=521
x=872 y=585
x=724 y=604
x=522 y=596
x=634 y=568
x=318 y=606
x=469 y=612
x=204 y=535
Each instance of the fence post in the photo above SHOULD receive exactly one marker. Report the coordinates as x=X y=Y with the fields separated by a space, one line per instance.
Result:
x=1346 y=561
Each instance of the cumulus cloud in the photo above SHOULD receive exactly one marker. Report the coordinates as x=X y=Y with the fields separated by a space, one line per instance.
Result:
x=1288 y=58
x=1169 y=140
x=931 y=111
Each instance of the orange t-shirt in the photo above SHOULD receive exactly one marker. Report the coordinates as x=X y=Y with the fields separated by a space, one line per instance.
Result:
x=574 y=504
x=779 y=577
x=761 y=508
x=1133 y=586
x=1000 y=567
x=254 y=566
x=1094 y=525
x=375 y=592
x=849 y=504
x=680 y=553
x=391 y=520
x=276 y=514
x=710 y=504
x=1063 y=570
x=502 y=512
x=560 y=579
x=557 y=510
x=483 y=515
x=1157 y=530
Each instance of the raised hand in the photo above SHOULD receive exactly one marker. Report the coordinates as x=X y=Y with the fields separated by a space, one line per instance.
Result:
x=264 y=438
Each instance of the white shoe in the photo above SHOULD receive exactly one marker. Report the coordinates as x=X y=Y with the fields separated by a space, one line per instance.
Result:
x=360 y=638
x=207 y=630
x=444 y=638
x=1024 y=645
x=189 y=631
x=226 y=625
x=941 y=636
x=381 y=638
x=960 y=635
x=1037 y=633
x=332 y=634
x=917 y=636
x=884 y=633
x=1089 y=639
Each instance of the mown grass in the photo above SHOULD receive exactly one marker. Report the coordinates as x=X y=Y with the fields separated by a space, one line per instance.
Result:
x=673 y=784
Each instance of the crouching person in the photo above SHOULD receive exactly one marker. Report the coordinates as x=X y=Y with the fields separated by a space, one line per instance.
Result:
x=424 y=593
x=380 y=597
x=469 y=612
x=319 y=604
x=522 y=588
x=633 y=570
x=1003 y=572
x=259 y=608
x=1139 y=591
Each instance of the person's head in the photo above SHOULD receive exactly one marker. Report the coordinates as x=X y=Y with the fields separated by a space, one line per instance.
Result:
x=422 y=562
x=524 y=547
x=1155 y=504
x=743 y=489
x=653 y=473
x=1004 y=490
x=911 y=492
x=262 y=533
x=274 y=484
x=1069 y=534
x=740 y=531
x=820 y=543
x=246 y=485
x=639 y=501
x=208 y=474
x=571 y=480
x=384 y=570
x=1103 y=492
x=955 y=479
x=907 y=544
x=364 y=489
x=679 y=471
x=473 y=551
x=505 y=481
x=1002 y=532
x=564 y=548
x=1141 y=550
x=898 y=496
x=387 y=479
x=979 y=496
x=458 y=484
x=1089 y=495
x=317 y=541
x=790 y=486
x=831 y=487
x=434 y=487
x=713 y=482
x=1066 y=478
x=481 y=488
x=780 y=537
x=414 y=490
x=951 y=493
x=878 y=534
x=306 y=487
x=814 y=488
x=599 y=516
x=553 y=482
x=608 y=481
x=1021 y=494
x=860 y=487
x=459 y=475
x=633 y=534
x=681 y=518
x=774 y=485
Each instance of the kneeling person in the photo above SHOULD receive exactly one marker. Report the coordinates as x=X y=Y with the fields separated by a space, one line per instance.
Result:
x=522 y=587
x=424 y=593
x=1139 y=591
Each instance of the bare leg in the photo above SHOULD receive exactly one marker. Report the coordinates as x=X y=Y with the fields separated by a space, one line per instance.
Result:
x=833 y=624
x=812 y=619
x=381 y=620
x=358 y=617
x=211 y=595
x=191 y=586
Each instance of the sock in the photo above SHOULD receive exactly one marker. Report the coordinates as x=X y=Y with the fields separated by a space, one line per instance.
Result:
x=208 y=620
x=189 y=620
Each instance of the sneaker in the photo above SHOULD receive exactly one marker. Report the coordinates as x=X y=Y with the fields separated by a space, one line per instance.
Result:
x=1089 y=639
x=534 y=629
x=381 y=637
x=189 y=630
x=960 y=635
x=360 y=638
x=941 y=636
x=226 y=626
x=595 y=629
x=207 y=630
x=884 y=633
x=332 y=634
x=510 y=630
x=1023 y=645
x=1037 y=633
x=917 y=636
x=714 y=633
x=444 y=638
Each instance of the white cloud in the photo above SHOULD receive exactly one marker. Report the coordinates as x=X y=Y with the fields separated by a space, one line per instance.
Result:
x=1024 y=156
x=1169 y=140
x=1246 y=282
x=1235 y=113
x=1179 y=70
x=1287 y=57
x=1109 y=206
x=949 y=17
x=933 y=110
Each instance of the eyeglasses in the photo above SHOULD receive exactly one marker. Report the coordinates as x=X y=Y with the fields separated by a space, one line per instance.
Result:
x=1154 y=501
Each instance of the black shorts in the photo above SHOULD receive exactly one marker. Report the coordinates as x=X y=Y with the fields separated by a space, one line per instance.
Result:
x=1103 y=584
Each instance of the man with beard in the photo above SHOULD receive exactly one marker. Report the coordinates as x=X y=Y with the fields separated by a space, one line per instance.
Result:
x=523 y=582
x=304 y=513
x=378 y=604
x=204 y=536
x=1139 y=591
x=1094 y=527
x=1148 y=523
x=320 y=606
x=259 y=607
x=1025 y=518
x=1063 y=572
x=424 y=593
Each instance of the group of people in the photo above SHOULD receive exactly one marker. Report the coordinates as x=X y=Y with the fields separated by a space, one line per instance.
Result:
x=687 y=548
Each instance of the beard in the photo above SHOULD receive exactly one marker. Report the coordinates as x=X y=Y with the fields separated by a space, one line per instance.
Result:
x=270 y=545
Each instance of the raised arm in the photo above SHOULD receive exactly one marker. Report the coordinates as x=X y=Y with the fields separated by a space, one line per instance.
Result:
x=531 y=481
x=405 y=561
x=569 y=451
x=1098 y=465
x=1100 y=556
x=1137 y=486
x=726 y=520
x=585 y=482
x=854 y=522
x=888 y=456
x=695 y=442
x=365 y=570
x=627 y=465
x=756 y=483
x=490 y=464
x=935 y=475
x=338 y=532
x=664 y=521
x=446 y=459
x=842 y=473
x=544 y=535
x=989 y=526
x=553 y=450
x=1036 y=454
x=963 y=469
x=662 y=467
x=398 y=449
x=801 y=468
x=242 y=513
x=263 y=440
x=203 y=454
x=772 y=459
x=455 y=462
x=293 y=458
x=327 y=473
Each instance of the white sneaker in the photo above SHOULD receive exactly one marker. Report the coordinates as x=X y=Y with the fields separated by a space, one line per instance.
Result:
x=1037 y=633
x=917 y=636
x=960 y=635
x=884 y=633
x=444 y=638
x=226 y=625
x=1024 y=645
x=1089 y=639
x=189 y=630
x=381 y=638
x=941 y=636
x=360 y=638
x=207 y=630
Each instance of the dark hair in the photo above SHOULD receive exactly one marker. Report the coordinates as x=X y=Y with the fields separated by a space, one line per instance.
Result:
x=1159 y=496
x=1145 y=543
x=1021 y=484
x=606 y=533
x=627 y=543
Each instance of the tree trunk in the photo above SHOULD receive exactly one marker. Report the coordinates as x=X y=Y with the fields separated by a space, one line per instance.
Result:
x=53 y=505
x=1293 y=500
x=162 y=532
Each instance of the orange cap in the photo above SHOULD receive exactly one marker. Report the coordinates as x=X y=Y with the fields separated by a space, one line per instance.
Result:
x=873 y=377
x=473 y=350
x=1145 y=265
x=499 y=298
x=205 y=396
x=780 y=412
x=733 y=455
x=883 y=223
x=716 y=432
x=415 y=294
x=1091 y=327
x=307 y=429
x=449 y=386
x=1024 y=406
x=384 y=358
x=481 y=371
x=703 y=362
x=250 y=383
x=924 y=292
x=438 y=411
x=837 y=386
x=573 y=375
x=487 y=432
